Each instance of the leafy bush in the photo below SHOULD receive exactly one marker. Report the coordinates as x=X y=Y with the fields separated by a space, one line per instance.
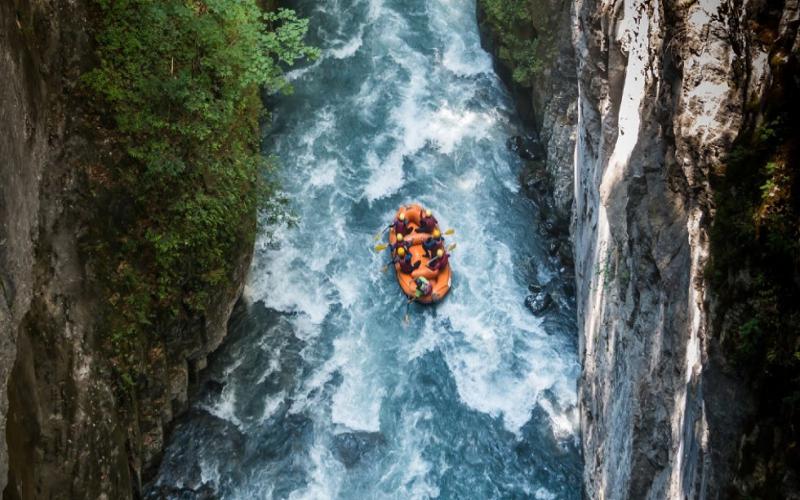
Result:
x=526 y=32
x=512 y=24
x=178 y=87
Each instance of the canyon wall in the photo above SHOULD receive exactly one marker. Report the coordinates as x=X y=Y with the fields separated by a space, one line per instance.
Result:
x=663 y=90
x=657 y=108
x=68 y=430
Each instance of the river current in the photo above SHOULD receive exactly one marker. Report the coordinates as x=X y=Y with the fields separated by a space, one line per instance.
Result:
x=321 y=390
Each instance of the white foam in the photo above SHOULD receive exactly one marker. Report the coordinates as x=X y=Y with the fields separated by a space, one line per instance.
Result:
x=544 y=494
x=209 y=472
x=409 y=474
x=462 y=61
x=563 y=424
x=448 y=126
x=469 y=181
x=225 y=407
x=299 y=73
x=296 y=290
x=349 y=284
x=271 y=405
x=324 y=475
x=386 y=177
x=356 y=404
x=348 y=48
x=324 y=174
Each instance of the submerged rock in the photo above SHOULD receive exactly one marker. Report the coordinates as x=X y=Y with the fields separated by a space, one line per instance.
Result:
x=350 y=447
x=539 y=302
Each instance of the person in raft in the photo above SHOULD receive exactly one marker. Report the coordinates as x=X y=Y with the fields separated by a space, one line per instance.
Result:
x=400 y=243
x=424 y=287
x=427 y=223
x=404 y=259
x=433 y=243
x=439 y=263
x=400 y=225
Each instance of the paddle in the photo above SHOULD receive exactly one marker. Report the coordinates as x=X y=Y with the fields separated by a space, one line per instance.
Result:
x=380 y=247
x=380 y=233
x=451 y=247
x=450 y=231
x=408 y=304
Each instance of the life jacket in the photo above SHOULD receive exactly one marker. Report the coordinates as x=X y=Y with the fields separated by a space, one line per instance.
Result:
x=432 y=243
x=427 y=224
x=405 y=265
x=400 y=227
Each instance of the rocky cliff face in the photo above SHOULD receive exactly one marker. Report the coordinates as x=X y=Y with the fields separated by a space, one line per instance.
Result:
x=68 y=431
x=657 y=107
x=663 y=90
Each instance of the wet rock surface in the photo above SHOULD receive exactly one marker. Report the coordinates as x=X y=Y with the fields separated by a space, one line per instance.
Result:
x=352 y=447
x=526 y=147
x=538 y=302
x=661 y=102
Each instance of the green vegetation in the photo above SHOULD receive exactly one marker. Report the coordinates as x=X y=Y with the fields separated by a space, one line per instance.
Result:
x=177 y=92
x=756 y=237
x=755 y=271
x=522 y=41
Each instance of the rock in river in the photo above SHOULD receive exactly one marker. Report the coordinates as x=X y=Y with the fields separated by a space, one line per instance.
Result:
x=350 y=447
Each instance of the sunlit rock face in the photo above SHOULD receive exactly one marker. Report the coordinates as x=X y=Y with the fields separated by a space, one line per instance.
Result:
x=661 y=93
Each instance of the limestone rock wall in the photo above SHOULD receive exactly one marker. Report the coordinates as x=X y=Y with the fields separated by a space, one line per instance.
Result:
x=66 y=431
x=662 y=91
x=634 y=112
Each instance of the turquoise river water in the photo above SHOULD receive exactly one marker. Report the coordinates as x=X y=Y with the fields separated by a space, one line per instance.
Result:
x=320 y=390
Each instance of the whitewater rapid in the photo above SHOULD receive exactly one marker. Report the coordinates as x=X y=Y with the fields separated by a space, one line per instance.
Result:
x=321 y=390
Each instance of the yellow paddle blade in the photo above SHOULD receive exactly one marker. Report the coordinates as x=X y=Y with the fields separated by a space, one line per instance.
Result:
x=380 y=247
x=451 y=247
x=379 y=234
x=450 y=231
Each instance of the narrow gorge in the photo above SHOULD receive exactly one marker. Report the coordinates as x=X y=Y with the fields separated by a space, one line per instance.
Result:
x=194 y=305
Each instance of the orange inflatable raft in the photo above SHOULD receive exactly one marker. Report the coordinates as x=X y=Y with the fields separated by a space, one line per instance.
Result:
x=439 y=280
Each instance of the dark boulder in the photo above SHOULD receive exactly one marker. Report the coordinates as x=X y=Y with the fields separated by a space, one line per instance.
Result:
x=539 y=302
x=535 y=288
x=350 y=447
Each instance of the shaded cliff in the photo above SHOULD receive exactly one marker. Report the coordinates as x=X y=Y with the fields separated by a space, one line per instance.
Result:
x=81 y=417
x=664 y=91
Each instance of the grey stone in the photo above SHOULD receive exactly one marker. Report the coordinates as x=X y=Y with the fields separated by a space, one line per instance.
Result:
x=350 y=447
